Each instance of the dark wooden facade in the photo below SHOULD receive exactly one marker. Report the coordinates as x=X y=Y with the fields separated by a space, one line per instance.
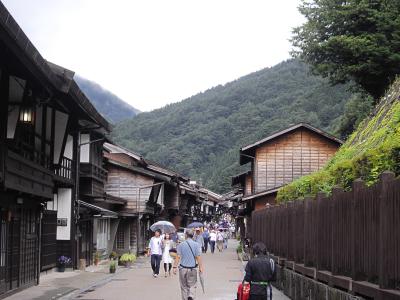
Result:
x=41 y=111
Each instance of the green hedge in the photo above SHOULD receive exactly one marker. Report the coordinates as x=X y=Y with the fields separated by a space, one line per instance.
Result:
x=373 y=148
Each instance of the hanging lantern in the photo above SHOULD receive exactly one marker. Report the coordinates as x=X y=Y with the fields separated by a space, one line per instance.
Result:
x=26 y=114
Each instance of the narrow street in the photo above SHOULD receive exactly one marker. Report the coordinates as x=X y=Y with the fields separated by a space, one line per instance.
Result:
x=223 y=272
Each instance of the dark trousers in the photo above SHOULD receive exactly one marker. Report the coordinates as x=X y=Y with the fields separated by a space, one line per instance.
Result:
x=205 y=248
x=263 y=297
x=169 y=267
x=212 y=246
x=155 y=263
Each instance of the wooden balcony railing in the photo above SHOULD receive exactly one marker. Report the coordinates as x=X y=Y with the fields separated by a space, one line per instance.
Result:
x=64 y=170
x=93 y=171
x=29 y=152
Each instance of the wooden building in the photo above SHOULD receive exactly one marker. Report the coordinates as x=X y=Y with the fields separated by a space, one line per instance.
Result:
x=152 y=193
x=42 y=111
x=278 y=160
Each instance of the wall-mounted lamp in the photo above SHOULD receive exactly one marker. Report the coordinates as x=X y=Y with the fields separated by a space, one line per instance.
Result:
x=20 y=200
x=26 y=114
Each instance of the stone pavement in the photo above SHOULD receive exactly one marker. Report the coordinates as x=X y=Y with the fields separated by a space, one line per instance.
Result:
x=54 y=285
x=223 y=273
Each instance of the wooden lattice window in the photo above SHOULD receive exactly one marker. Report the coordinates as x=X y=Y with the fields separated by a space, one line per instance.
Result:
x=120 y=241
x=132 y=237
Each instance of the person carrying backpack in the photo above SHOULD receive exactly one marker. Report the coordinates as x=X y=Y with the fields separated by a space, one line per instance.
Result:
x=260 y=272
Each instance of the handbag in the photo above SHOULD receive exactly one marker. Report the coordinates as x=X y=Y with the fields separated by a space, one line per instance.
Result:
x=243 y=292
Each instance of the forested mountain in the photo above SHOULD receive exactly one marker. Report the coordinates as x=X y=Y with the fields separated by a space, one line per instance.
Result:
x=201 y=136
x=113 y=108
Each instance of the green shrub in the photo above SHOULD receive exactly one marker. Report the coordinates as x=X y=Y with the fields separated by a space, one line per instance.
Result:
x=127 y=257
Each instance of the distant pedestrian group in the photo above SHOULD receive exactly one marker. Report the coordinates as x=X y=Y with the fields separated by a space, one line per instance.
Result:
x=213 y=238
x=186 y=257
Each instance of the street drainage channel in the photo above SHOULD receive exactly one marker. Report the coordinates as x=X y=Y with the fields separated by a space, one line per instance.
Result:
x=94 y=288
x=82 y=292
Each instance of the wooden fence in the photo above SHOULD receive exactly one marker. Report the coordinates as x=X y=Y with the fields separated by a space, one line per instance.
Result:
x=353 y=235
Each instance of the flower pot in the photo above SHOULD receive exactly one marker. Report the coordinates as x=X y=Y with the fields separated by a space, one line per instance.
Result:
x=112 y=270
x=61 y=268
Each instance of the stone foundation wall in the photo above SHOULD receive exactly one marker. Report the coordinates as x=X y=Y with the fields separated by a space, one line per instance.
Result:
x=299 y=287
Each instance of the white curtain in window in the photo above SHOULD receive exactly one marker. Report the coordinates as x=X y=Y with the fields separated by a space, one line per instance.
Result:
x=103 y=233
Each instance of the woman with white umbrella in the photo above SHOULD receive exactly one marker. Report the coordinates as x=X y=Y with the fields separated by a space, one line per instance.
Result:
x=156 y=243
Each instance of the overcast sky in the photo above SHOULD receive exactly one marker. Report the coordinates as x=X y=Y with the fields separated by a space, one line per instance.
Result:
x=154 y=52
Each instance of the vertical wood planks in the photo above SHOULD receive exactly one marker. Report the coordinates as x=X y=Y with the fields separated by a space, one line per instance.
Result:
x=350 y=233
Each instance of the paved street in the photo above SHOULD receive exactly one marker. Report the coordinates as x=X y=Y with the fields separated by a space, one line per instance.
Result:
x=223 y=272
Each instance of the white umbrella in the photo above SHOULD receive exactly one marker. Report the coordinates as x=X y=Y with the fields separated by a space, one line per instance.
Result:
x=164 y=226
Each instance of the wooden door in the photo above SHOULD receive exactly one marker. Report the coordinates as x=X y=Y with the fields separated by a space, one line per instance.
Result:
x=85 y=241
x=14 y=250
x=48 y=251
x=3 y=253
x=29 y=247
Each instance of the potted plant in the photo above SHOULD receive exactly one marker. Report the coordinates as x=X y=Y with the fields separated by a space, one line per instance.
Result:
x=62 y=262
x=113 y=255
x=113 y=266
x=96 y=258
x=127 y=259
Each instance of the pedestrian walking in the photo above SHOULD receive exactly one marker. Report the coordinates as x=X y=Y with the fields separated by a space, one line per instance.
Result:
x=225 y=234
x=213 y=240
x=155 y=252
x=206 y=238
x=174 y=237
x=198 y=237
x=220 y=241
x=167 y=245
x=188 y=259
x=260 y=272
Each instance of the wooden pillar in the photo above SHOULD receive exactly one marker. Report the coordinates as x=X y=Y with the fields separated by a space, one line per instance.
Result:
x=308 y=242
x=356 y=218
x=74 y=239
x=386 y=250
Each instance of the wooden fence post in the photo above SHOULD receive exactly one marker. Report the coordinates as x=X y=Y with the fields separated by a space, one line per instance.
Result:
x=358 y=185
x=384 y=232
x=308 y=224
x=336 y=232
x=319 y=230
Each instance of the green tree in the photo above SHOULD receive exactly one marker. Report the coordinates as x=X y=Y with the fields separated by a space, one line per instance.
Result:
x=355 y=110
x=351 y=40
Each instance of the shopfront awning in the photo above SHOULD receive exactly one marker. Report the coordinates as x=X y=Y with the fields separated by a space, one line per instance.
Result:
x=99 y=211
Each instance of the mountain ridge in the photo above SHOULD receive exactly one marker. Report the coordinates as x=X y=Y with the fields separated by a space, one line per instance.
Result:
x=200 y=136
x=112 y=107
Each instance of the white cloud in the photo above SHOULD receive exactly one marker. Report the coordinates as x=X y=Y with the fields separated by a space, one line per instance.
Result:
x=154 y=52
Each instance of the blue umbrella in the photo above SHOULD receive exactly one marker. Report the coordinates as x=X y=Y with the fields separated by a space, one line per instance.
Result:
x=195 y=224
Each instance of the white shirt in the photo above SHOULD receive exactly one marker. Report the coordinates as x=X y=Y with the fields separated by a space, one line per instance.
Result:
x=155 y=246
x=213 y=236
